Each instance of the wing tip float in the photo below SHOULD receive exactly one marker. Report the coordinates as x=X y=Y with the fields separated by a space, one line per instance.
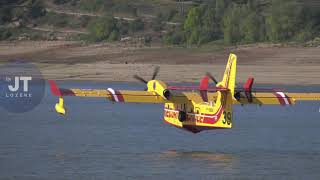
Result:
x=55 y=90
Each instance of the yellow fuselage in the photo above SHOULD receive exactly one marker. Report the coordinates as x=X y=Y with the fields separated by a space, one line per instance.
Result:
x=197 y=116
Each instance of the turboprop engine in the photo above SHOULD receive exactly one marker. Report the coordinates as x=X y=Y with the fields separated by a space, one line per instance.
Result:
x=155 y=85
x=159 y=87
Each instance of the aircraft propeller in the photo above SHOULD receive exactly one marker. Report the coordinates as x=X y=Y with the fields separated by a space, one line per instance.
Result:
x=140 y=79
x=155 y=72
x=211 y=77
x=154 y=75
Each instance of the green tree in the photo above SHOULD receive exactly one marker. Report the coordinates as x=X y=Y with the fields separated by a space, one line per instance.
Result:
x=193 y=20
x=285 y=20
x=5 y=15
x=60 y=1
x=123 y=26
x=5 y=33
x=243 y=23
x=175 y=37
x=211 y=29
x=114 y=35
x=102 y=28
x=192 y=25
x=37 y=9
x=231 y=24
x=251 y=28
x=157 y=24
x=92 y=5
x=220 y=7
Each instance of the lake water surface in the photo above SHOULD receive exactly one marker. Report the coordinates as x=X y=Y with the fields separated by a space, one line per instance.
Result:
x=101 y=140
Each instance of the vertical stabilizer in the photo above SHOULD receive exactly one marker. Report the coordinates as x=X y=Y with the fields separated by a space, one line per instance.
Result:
x=229 y=77
x=226 y=96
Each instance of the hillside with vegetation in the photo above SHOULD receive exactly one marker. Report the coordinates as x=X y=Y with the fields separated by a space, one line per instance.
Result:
x=171 y=22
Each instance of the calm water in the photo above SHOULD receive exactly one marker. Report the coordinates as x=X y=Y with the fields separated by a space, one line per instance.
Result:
x=101 y=140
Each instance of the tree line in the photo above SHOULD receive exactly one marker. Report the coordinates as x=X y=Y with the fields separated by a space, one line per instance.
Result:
x=247 y=22
x=227 y=21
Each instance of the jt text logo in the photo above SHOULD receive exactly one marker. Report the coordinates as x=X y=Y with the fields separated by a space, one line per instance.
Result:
x=17 y=79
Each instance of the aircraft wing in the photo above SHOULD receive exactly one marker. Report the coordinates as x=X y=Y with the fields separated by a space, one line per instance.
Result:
x=276 y=98
x=127 y=96
x=259 y=98
x=305 y=96
x=109 y=93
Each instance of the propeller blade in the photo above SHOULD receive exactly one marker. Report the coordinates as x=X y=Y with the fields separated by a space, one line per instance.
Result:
x=212 y=78
x=155 y=72
x=140 y=79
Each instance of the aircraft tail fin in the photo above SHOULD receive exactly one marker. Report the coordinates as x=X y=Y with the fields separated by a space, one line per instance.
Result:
x=229 y=77
x=226 y=97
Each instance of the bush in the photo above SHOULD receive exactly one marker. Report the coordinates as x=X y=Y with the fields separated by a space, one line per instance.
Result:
x=33 y=9
x=91 y=5
x=37 y=9
x=114 y=36
x=124 y=7
x=157 y=24
x=59 y=20
x=102 y=28
x=5 y=15
x=252 y=28
x=5 y=34
x=303 y=36
x=123 y=26
x=60 y=1
x=136 y=25
x=171 y=14
x=147 y=40
x=314 y=43
x=175 y=37
x=84 y=21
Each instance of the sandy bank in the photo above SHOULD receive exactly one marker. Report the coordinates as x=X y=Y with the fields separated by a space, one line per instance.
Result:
x=117 y=62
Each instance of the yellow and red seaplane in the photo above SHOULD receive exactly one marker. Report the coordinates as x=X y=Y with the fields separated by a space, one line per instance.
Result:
x=193 y=108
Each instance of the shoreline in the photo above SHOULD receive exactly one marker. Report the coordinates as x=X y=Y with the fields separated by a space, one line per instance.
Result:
x=107 y=62
x=181 y=73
